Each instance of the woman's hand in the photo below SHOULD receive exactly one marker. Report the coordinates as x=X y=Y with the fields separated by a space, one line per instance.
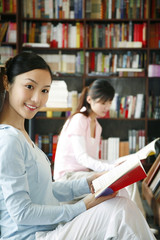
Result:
x=90 y=200
x=91 y=178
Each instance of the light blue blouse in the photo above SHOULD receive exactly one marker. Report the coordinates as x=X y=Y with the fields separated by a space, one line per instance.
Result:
x=29 y=200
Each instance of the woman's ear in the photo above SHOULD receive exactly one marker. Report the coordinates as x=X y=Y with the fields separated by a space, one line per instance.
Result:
x=89 y=99
x=5 y=82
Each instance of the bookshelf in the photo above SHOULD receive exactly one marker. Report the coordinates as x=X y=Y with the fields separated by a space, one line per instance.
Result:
x=152 y=199
x=98 y=28
x=9 y=14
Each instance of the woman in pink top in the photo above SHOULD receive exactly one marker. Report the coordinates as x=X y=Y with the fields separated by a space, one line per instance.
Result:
x=77 y=153
x=78 y=144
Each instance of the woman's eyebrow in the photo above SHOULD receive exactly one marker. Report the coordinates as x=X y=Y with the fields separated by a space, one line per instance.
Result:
x=32 y=80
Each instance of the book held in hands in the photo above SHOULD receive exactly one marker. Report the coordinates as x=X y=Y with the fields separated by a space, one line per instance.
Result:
x=128 y=171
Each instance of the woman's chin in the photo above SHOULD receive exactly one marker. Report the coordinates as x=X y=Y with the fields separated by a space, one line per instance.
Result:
x=101 y=115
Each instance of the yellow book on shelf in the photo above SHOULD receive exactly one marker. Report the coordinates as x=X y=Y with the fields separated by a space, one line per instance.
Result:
x=78 y=35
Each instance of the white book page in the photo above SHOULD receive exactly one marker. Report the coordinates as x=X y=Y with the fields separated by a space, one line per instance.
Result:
x=109 y=177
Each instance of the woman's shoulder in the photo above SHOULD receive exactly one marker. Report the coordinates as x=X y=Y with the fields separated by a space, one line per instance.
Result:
x=79 y=116
x=8 y=132
x=76 y=121
x=4 y=128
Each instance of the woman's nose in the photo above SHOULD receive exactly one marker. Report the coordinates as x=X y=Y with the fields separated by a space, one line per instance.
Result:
x=36 y=97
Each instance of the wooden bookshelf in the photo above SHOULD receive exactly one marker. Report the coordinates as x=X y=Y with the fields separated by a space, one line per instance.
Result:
x=147 y=193
x=124 y=85
x=45 y=109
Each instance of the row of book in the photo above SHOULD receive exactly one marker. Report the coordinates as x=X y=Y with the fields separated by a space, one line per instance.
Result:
x=109 y=35
x=47 y=143
x=136 y=139
x=130 y=72
x=109 y=149
x=65 y=35
x=122 y=106
x=6 y=53
x=61 y=35
x=155 y=9
x=100 y=62
x=8 y=6
x=127 y=106
x=154 y=185
x=154 y=107
x=112 y=148
x=8 y=32
x=118 y=9
x=64 y=9
x=65 y=63
x=99 y=9
x=154 y=57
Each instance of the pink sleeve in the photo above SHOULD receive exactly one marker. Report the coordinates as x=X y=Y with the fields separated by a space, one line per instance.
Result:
x=77 y=125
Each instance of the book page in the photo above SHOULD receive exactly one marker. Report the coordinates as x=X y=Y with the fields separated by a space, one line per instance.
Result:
x=148 y=150
x=109 y=177
x=143 y=153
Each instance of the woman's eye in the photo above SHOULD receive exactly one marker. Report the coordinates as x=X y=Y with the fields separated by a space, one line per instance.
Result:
x=45 y=91
x=29 y=86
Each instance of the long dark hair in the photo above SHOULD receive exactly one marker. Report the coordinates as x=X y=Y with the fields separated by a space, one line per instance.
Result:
x=24 y=62
x=100 y=90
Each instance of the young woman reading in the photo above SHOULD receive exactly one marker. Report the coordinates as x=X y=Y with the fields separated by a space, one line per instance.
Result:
x=77 y=152
x=29 y=200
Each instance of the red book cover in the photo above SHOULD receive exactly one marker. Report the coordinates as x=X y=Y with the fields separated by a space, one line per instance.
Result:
x=126 y=173
x=63 y=35
x=144 y=35
x=14 y=6
x=92 y=61
x=153 y=9
x=135 y=37
x=140 y=33
x=54 y=146
x=110 y=35
x=66 y=36
x=33 y=8
x=131 y=177
x=81 y=35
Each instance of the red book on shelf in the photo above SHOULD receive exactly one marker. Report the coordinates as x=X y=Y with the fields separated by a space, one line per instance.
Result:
x=144 y=36
x=63 y=35
x=81 y=35
x=66 y=36
x=92 y=61
x=54 y=146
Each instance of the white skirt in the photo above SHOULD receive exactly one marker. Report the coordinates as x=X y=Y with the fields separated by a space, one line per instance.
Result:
x=132 y=189
x=116 y=219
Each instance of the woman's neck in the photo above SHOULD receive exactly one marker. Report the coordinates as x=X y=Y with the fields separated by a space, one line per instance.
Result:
x=93 y=116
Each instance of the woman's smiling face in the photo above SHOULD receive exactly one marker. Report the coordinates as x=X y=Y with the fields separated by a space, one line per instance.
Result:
x=29 y=92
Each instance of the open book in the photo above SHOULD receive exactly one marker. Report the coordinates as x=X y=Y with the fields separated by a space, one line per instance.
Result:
x=130 y=170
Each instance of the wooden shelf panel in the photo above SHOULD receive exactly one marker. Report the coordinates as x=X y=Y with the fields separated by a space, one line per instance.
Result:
x=45 y=109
